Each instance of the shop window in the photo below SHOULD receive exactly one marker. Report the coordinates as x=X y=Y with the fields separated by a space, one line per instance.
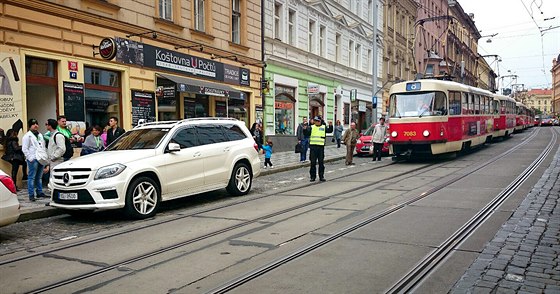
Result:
x=346 y=113
x=221 y=109
x=238 y=110
x=284 y=110
x=40 y=67
x=195 y=105
x=102 y=95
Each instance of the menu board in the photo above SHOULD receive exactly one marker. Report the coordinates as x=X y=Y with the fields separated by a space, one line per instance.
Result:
x=74 y=101
x=143 y=107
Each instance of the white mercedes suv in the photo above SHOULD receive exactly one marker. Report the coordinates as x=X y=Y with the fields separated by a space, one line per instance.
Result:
x=157 y=162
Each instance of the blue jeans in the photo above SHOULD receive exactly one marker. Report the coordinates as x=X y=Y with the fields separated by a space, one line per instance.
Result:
x=34 y=175
x=304 y=146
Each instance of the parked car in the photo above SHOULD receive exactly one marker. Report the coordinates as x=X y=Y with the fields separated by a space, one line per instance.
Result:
x=547 y=121
x=364 y=143
x=157 y=162
x=9 y=204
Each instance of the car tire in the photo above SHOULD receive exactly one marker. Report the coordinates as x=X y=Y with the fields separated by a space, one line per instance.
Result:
x=241 y=180
x=142 y=198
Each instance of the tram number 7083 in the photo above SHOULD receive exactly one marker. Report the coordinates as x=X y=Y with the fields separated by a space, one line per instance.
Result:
x=409 y=133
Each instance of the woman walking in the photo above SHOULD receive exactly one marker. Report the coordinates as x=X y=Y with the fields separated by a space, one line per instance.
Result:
x=338 y=129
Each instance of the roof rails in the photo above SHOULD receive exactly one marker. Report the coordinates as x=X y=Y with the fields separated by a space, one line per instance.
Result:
x=155 y=123
x=207 y=118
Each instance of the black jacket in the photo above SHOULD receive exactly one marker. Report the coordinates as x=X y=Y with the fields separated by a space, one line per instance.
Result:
x=113 y=134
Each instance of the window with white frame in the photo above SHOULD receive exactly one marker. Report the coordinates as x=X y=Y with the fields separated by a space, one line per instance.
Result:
x=351 y=53
x=311 y=36
x=292 y=27
x=199 y=15
x=166 y=9
x=323 y=40
x=277 y=21
x=338 y=46
x=235 y=21
x=370 y=11
x=369 y=61
x=358 y=56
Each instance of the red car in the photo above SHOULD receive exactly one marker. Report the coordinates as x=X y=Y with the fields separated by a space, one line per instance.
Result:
x=364 y=142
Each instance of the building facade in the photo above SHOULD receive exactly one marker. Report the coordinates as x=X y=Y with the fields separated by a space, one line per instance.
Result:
x=430 y=37
x=556 y=85
x=398 y=50
x=539 y=99
x=486 y=77
x=135 y=60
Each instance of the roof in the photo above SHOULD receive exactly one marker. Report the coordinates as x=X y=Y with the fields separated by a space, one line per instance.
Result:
x=540 y=92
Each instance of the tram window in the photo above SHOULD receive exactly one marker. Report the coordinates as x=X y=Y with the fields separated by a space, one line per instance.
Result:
x=476 y=104
x=454 y=103
x=495 y=107
x=465 y=102
x=417 y=104
x=471 y=103
x=440 y=107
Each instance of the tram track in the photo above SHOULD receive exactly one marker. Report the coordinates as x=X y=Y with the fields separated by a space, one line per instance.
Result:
x=153 y=253
x=251 y=275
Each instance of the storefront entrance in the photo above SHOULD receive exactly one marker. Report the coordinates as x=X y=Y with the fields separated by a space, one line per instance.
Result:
x=41 y=88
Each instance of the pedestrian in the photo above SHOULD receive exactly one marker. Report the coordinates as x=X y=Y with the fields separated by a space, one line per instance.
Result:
x=57 y=145
x=350 y=138
x=33 y=140
x=317 y=149
x=94 y=142
x=256 y=132
x=303 y=132
x=63 y=129
x=14 y=155
x=378 y=138
x=104 y=135
x=268 y=154
x=114 y=131
x=338 y=129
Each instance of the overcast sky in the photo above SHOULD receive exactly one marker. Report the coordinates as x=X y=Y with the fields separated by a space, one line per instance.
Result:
x=519 y=42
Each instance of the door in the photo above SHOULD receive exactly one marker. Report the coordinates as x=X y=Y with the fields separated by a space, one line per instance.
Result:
x=184 y=169
x=216 y=148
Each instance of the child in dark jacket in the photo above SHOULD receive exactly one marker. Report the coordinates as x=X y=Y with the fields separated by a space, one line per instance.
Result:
x=267 y=154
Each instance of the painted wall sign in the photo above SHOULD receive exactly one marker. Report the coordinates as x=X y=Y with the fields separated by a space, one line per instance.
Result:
x=11 y=101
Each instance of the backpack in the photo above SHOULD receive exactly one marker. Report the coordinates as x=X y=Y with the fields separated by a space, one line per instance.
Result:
x=69 y=150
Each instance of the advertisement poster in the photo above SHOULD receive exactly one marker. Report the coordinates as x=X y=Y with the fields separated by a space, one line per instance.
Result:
x=143 y=107
x=11 y=103
x=74 y=101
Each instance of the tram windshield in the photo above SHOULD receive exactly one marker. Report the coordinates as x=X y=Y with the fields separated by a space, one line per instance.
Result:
x=417 y=104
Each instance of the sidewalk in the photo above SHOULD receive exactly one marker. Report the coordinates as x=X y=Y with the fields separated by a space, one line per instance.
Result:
x=282 y=161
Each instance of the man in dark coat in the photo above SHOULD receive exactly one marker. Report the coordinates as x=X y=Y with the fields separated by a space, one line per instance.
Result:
x=114 y=131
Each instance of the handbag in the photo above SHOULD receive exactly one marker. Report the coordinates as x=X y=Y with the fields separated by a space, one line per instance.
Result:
x=332 y=140
x=371 y=150
x=298 y=148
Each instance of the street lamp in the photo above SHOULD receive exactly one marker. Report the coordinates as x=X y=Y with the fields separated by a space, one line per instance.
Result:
x=489 y=40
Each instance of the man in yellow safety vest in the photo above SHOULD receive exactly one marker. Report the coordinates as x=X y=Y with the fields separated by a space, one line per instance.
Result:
x=317 y=149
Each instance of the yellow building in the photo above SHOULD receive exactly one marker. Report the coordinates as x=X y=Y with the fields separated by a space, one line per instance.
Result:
x=398 y=44
x=486 y=77
x=132 y=59
x=540 y=99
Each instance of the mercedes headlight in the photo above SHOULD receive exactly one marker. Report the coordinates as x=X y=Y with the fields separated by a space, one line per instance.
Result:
x=109 y=171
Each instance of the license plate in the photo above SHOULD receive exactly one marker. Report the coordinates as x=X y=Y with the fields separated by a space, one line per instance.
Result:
x=68 y=196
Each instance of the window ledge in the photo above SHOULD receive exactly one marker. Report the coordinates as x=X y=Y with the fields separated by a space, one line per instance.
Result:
x=239 y=47
x=104 y=4
x=202 y=35
x=169 y=25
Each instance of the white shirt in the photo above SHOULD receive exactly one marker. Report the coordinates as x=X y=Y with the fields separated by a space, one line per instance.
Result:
x=30 y=143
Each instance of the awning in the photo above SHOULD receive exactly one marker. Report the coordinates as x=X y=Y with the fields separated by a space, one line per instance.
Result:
x=204 y=87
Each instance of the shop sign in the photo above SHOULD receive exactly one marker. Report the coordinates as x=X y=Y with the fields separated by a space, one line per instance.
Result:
x=108 y=48
x=11 y=101
x=312 y=88
x=279 y=89
x=361 y=106
x=143 y=107
x=73 y=75
x=137 y=53
x=165 y=92
x=283 y=105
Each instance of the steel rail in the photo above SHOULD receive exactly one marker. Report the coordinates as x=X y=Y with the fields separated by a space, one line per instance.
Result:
x=236 y=282
x=192 y=240
x=429 y=263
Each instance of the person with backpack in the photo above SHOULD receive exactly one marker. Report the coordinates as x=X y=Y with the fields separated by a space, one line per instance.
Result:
x=63 y=129
x=57 y=144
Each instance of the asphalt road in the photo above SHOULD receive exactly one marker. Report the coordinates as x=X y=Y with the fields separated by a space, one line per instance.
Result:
x=224 y=237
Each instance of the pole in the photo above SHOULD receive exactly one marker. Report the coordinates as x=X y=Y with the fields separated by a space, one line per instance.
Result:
x=374 y=62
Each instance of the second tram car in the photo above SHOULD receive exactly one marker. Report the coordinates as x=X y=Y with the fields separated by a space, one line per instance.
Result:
x=521 y=118
x=504 y=116
x=430 y=117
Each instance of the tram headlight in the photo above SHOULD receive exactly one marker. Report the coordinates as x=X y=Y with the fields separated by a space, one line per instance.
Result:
x=426 y=133
x=394 y=134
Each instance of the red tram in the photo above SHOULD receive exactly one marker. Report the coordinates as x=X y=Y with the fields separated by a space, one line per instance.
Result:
x=429 y=117
x=522 y=117
x=504 y=116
